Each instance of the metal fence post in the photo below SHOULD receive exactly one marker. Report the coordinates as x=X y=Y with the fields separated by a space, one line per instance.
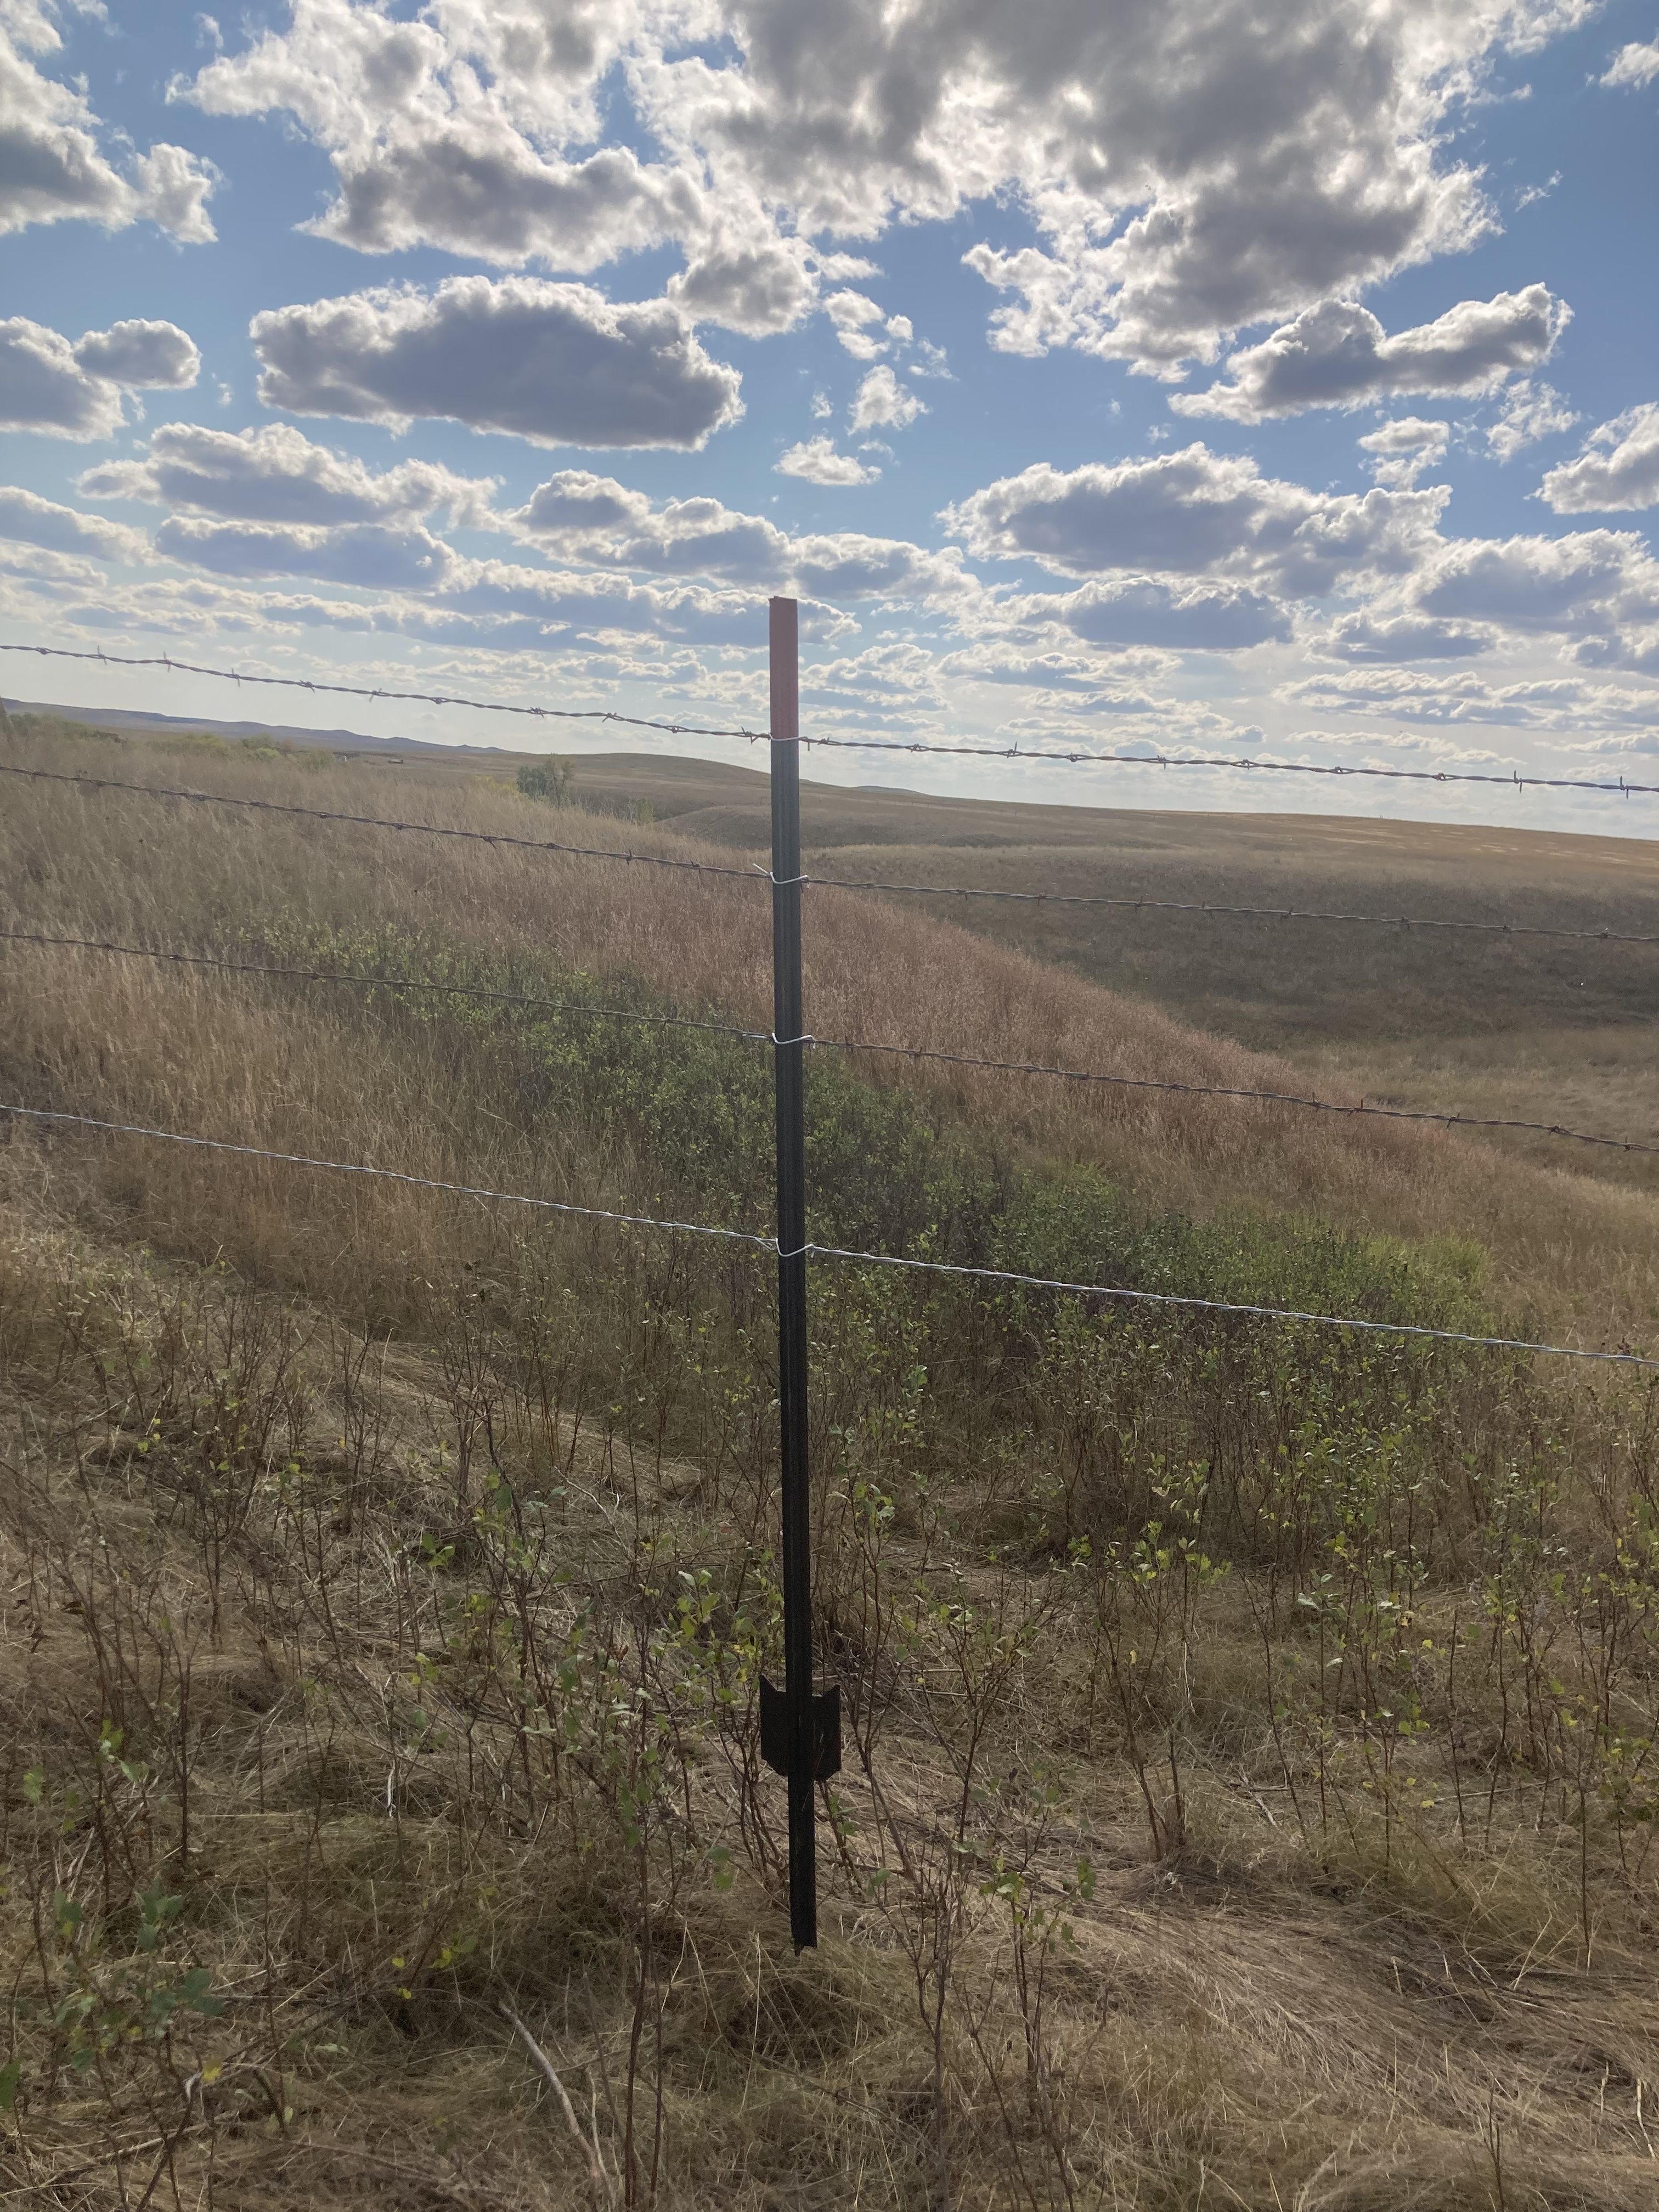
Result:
x=800 y=1732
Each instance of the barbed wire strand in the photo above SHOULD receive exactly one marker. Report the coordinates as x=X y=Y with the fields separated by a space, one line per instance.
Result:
x=1074 y=757
x=381 y=983
x=755 y=873
x=61 y=1117
x=1225 y=1091
x=385 y=822
x=1137 y=902
x=316 y=685
x=1513 y=780
x=828 y=1044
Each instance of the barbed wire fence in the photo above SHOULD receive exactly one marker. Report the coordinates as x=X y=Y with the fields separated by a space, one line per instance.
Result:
x=801 y=1723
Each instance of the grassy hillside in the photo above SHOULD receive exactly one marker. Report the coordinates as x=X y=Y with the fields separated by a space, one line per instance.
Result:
x=1542 y=1031
x=1248 y=1791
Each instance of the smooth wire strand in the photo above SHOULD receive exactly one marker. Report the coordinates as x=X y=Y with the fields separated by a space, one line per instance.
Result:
x=755 y=873
x=1515 y=780
x=829 y=1251
x=382 y=821
x=1137 y=902
x=1223 y=1306
x=390 y=1175
x=826 y=1044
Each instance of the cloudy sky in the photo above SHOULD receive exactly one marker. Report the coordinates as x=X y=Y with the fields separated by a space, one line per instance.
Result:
x=1269 y=377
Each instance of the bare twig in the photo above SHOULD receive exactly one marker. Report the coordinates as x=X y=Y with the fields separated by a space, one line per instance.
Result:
x=598 y=2180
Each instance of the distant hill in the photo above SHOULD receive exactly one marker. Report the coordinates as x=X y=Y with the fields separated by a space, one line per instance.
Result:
x=123 y=718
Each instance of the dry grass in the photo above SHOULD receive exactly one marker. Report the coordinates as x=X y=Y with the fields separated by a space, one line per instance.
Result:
x=1578 y=1256
x=385 y=1587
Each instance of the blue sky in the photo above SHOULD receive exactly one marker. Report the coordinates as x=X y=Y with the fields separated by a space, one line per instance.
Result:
x=1269 y=380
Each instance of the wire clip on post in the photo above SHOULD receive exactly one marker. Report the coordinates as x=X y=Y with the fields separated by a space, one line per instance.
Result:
x=800 y=1734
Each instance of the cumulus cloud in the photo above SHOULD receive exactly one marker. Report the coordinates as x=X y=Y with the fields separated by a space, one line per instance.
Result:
x=1588 y=585
x=1618 y=469
x=1402 y=449
x=1530 y=411
x=275 y=474
x=554 y=364
x=576 y=515
x=882 y=403
x=1186 y=168
x=1338 y=354
x=374 y=556
x=1142 y=611
x=76 y=390
x=28 y=520
x=1366 y=634
x=1633 y=66
x=52 y=166
x=851 y=313
x=1557 y=702
x=818 y=462
x=1195 y=513
x=150 y=356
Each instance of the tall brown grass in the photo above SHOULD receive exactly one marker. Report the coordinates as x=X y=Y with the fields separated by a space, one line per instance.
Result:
x=1248 y=1792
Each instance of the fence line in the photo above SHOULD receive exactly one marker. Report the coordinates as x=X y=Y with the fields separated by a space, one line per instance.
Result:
x=827 y=1044
x=389 y=1175
x=382 y=982
x=1515 y=780
x=1107 y=1290
x=1139 y=903
x=384 y=821
x=240 y=676
x=756 y=873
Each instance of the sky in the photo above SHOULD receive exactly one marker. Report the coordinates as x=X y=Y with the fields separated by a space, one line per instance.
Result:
x=1273 y=379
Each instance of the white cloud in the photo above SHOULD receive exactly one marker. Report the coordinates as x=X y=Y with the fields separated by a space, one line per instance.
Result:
x=1190 y=167
x=1402 y=449
x=1530 y=411
x=1633 y=66
x=1557 y=702
x=28 y=520
x=1196 y=512
x=1338 y=354
x=52 y=166
x=150 y=356
x=275 y=474
x=1368 y=636
x=1618 y=469
x=76 y=390
x=376 y=556
x=851 y=313
x=579 y=516
x=1146 y=612
x=882 y=403
x=554 y=364
x=818 y=462
x=173 y=188
x=1586 y=585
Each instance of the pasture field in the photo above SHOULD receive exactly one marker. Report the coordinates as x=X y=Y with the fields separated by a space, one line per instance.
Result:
x=1250 y=1792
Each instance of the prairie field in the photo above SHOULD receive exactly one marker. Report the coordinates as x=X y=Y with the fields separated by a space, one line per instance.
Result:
x=1249 y=1792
